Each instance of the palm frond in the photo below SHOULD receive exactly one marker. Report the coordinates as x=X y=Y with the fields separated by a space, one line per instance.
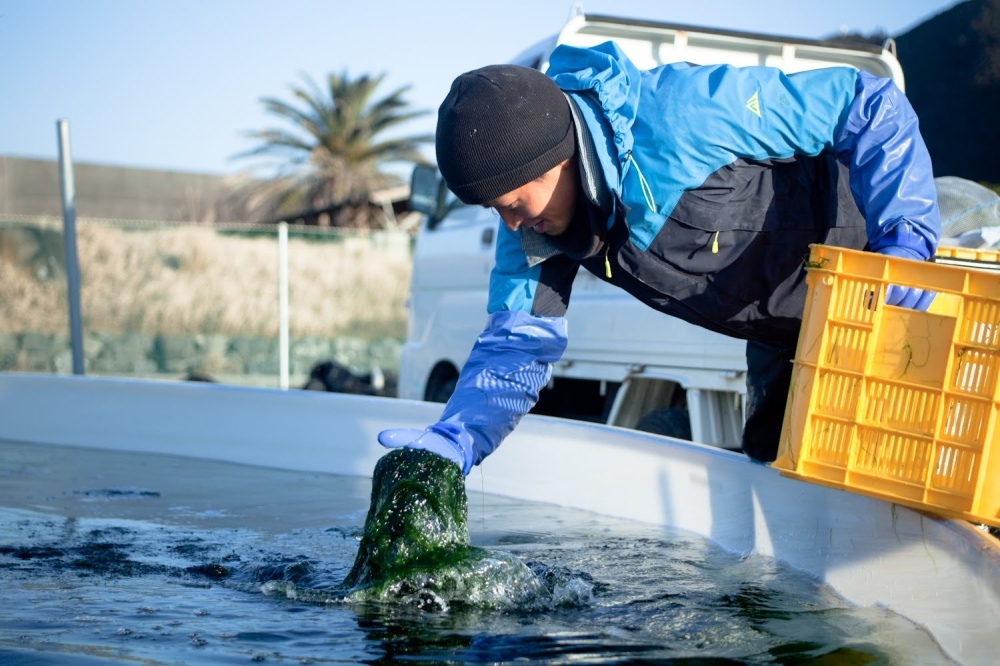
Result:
x=329 y=142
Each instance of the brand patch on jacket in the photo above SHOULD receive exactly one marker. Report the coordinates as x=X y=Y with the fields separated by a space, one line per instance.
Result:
x=753 y=105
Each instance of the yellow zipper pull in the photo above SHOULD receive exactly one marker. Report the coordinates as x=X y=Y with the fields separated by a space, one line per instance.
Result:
x=607 y=262
x=715 y=243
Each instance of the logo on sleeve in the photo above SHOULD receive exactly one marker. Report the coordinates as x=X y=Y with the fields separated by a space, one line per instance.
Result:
x=753 y=105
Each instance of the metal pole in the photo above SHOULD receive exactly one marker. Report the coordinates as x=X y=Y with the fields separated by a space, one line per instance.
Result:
x=69 y=245
x=283 y=305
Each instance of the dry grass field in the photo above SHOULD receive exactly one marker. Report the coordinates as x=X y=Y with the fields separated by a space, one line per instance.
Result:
x=183 y=280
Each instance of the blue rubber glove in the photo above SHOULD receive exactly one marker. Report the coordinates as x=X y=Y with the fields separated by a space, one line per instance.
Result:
x=891 y=178
x=508 y=366
x=891 y=175
x=906 y=297
x=438 y=438
x=909 y=297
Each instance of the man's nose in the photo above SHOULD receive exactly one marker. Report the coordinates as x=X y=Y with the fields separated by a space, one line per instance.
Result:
x=512 y=220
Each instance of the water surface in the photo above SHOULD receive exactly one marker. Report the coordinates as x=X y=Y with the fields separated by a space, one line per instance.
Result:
x=118 y=557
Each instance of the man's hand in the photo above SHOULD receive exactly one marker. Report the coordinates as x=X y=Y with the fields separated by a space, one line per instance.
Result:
x=906 y=297
x=425 y=440
x=909 y=297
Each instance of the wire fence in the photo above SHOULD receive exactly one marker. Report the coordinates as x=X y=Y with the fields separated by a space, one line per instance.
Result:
x=165 y=299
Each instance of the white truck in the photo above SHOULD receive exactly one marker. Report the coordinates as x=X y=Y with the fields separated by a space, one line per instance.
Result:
x=626 y=364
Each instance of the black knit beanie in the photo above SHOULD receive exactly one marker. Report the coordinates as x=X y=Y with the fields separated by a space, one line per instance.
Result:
x=499 y=128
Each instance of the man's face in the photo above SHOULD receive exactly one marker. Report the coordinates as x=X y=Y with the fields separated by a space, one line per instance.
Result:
x=545 y=205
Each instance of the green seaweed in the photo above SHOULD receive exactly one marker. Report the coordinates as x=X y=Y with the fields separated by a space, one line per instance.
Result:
x=415 y=546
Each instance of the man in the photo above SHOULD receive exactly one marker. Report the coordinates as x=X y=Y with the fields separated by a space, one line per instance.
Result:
x=696 y=189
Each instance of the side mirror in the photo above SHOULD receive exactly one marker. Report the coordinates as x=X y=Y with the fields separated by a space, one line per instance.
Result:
x=428 y=193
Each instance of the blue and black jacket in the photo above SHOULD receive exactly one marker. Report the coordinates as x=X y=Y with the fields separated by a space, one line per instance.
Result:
x=703 y=186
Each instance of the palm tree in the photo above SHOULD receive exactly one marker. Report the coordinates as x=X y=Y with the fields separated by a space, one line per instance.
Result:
x=330 y=158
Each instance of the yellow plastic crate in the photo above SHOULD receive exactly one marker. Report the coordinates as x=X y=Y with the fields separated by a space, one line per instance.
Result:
x=895 y=403
x=968 y=254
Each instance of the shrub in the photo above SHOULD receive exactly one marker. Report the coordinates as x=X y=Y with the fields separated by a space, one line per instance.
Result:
x=194 y=279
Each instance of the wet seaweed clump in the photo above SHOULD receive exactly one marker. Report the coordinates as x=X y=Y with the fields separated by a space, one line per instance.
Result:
x=415 y=545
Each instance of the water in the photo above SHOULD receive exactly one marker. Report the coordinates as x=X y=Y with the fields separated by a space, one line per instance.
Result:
x=116 y=557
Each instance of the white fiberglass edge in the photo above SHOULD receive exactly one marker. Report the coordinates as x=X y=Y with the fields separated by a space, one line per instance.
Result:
x=941 y=574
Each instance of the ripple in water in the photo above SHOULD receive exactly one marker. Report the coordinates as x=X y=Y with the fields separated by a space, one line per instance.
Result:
x=254 y=569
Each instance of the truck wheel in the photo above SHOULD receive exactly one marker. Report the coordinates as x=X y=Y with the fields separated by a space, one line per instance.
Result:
x=672 y=422
x=441 y=390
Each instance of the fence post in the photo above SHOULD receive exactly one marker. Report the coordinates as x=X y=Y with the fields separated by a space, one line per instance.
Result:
x=68 y=190
x=283 y=305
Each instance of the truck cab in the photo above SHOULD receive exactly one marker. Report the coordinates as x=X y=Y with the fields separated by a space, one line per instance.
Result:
x=626 y=364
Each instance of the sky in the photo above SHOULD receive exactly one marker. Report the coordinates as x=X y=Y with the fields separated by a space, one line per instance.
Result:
x=177 y=84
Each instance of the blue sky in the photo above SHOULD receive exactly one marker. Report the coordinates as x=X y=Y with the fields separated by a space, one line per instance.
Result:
x=174 y=84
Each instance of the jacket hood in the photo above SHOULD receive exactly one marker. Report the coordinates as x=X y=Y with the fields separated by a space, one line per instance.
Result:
x=606 y=72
